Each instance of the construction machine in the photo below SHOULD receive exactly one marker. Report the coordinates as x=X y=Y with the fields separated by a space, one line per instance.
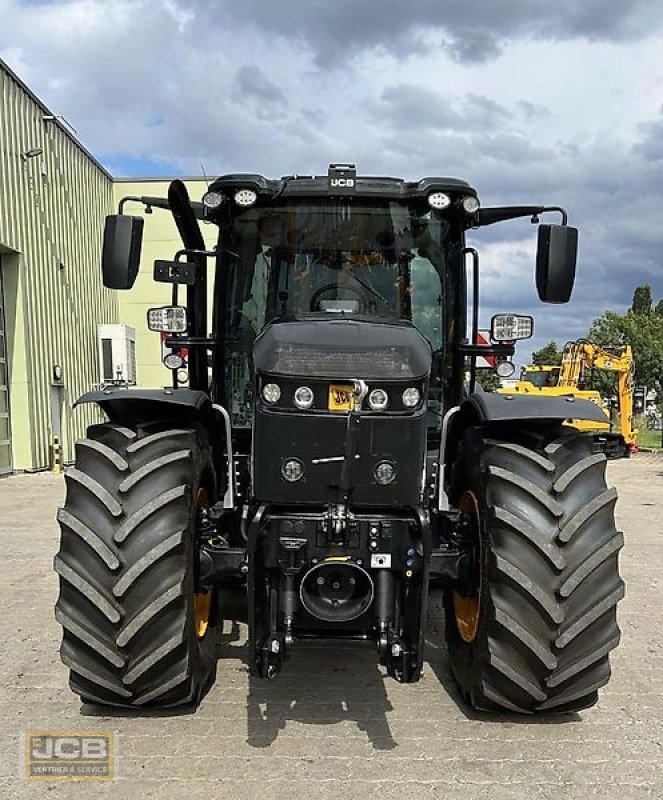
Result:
x=319 y=459
x=575 y=376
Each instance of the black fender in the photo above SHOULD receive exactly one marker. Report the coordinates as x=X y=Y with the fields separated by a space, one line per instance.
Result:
x=482 y=407
x=185 y=406
x=493 y=407
x=144 y=405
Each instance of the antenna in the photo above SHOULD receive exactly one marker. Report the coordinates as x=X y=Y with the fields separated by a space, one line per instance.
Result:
x=202 y=167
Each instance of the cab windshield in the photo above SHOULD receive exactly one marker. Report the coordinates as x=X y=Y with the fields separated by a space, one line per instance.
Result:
x=540 y=378
x=383 y=259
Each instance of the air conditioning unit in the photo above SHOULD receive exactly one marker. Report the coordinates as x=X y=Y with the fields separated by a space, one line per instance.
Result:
x=117 y=355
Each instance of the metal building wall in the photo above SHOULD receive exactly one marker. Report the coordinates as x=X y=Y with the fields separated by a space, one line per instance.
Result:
x=52 y=209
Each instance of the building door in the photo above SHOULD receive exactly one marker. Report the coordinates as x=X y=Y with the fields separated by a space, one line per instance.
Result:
x=5 y=428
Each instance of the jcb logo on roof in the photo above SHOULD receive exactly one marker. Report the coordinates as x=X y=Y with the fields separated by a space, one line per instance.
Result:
x=342 y=183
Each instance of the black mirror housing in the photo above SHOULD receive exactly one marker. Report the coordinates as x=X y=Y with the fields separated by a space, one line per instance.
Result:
x=556 y=255
x=120 y=258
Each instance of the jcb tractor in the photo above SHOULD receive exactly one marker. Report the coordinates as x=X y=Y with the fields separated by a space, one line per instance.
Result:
x=321 y=455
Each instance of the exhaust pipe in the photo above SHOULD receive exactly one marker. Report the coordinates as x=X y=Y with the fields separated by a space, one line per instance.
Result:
x=336 y=591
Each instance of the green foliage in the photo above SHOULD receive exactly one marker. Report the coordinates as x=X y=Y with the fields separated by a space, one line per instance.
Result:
x=488 y=379
x=642 y=300
x=548 y=354
x=659 y=308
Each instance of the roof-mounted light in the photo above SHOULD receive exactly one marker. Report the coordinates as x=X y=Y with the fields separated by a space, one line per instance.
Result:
x=245 y=197
x=212 y=200
x=470 y=204
x=439 y=200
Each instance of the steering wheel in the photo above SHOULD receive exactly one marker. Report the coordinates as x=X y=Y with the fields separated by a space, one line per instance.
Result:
x=315 y=297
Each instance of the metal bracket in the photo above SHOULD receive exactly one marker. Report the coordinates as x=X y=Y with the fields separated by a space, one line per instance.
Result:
x=175 y=272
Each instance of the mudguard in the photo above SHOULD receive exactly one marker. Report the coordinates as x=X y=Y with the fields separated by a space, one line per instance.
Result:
x=492 y=407
x=138 y=405
x=489 y=407
x=188 y=406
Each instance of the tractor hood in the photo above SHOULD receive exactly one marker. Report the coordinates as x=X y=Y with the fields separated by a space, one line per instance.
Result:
x=318 y=346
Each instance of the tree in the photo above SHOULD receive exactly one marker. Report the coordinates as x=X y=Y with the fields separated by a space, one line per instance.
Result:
x=659 y=308
x=548 y=354
x=642 y=300
x=488 y=379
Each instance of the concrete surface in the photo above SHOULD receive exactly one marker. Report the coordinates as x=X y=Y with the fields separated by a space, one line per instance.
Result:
x=332 y=726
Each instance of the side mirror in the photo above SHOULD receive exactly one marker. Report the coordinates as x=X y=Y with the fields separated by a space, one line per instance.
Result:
x=556 y=254
x=120 y=258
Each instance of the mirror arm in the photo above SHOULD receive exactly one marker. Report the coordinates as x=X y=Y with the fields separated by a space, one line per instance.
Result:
x=158 y=202
x=561 y=210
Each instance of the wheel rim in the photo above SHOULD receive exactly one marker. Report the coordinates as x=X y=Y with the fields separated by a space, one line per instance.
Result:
x=468 y=609
x=202 y=601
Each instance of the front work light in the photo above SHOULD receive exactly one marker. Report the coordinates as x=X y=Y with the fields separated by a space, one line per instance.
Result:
x=212 y=200
x=173 y=361
x=509 y=327
x=470 y=204
x=439 y=200
x=245 y=197
x=167 y=319
x=505 y=369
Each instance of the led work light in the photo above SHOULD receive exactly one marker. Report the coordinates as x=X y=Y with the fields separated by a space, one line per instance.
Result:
x=167 y=319
x=509 y=327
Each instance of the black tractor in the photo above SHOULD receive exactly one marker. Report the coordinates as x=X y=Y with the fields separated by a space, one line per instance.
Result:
x=323 y=457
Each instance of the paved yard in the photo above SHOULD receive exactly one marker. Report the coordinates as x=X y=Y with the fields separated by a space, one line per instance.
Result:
x=332 y=726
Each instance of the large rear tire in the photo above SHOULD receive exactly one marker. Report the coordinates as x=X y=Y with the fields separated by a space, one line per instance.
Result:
x=134 y=631
x=536 y=634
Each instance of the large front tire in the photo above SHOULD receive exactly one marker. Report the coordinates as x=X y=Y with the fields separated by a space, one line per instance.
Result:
x=536 y=634
x=135 y=633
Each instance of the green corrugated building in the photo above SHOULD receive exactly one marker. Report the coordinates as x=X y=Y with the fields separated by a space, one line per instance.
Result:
x=54 y=311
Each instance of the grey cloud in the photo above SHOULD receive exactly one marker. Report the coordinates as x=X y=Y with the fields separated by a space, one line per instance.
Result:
x=472 y=31
x=473 y=47
x=411 y=107
x=651 y=145
x=251 y=83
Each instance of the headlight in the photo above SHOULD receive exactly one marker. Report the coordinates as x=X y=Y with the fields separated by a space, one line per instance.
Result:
x=292 y=470
x=212 y=200
x=173 y=361
x=271 y=392
x=439 y=200
x=385 y=473
x=378 y=400
x=303 y=397
x=170 y=319
x=411 y=397
x=245 y=197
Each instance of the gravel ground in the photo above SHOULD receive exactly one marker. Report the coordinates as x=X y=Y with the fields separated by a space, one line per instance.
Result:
x=332 y=725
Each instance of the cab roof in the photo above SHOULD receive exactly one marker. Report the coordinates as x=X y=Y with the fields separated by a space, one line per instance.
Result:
x=328 y=186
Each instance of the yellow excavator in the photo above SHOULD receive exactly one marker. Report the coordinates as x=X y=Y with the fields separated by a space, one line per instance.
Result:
x=580 y=360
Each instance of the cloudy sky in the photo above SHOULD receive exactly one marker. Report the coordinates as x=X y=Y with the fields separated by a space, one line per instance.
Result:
x=532 y=101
